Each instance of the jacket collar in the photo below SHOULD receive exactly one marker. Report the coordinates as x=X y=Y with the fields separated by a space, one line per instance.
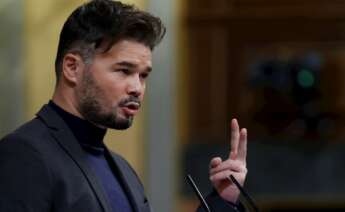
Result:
x=65 y=138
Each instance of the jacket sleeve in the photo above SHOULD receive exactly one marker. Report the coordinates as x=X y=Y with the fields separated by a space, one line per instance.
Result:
x=24 y=178
x=218 y=204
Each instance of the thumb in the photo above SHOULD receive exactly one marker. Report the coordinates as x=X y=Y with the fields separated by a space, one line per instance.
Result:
x=215 y=162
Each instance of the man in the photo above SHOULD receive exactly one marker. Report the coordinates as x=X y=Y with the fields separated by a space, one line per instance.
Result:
x=58 y=161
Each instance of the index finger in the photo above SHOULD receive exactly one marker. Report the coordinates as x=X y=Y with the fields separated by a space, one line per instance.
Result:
x=235 y=137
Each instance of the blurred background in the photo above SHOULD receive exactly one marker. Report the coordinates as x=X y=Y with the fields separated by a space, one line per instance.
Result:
x=276 y=65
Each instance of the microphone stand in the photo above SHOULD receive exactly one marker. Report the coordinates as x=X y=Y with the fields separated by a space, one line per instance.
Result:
x=232 y=179
x=244 y=193
x=198 y=193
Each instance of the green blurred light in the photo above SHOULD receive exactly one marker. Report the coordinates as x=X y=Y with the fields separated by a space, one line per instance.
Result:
x=305 y=78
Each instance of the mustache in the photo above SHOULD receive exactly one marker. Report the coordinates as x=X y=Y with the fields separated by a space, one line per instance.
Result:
x=134 y=99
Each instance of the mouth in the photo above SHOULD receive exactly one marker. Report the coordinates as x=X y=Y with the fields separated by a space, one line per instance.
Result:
x=131 y=108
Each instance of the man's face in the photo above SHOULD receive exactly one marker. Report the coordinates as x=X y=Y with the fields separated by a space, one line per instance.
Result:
x=112 y=88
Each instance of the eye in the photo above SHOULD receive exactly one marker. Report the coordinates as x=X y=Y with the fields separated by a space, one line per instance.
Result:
x=124 y=70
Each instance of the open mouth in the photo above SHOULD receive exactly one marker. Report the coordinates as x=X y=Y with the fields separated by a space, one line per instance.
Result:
x=131 y=108
x=132 y=105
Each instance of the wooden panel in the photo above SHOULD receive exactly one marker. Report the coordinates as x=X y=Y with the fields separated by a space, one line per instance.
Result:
x=196 y=5
x=218 y=38
x=209 y=77
x=286 y=2
x=261 y=9
x=199 y=94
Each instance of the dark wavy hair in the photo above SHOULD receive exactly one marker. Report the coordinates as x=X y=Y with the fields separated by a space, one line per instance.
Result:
x=99 y=24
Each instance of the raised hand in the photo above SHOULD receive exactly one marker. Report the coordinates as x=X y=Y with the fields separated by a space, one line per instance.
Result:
x=235 y=164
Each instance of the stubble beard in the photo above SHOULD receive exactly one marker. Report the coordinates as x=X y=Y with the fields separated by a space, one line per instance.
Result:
x=92 y=110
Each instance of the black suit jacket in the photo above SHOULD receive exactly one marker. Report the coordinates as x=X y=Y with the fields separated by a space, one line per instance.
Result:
x=43 y=168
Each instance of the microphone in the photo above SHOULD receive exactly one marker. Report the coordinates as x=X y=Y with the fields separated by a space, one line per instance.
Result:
x=198 y=193
x=244 y=193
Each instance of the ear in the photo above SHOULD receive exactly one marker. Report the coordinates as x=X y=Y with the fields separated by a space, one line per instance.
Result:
x=72 y=67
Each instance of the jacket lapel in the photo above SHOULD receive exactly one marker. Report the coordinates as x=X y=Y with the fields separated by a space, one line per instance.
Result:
x=69 y=143
x=126 y=178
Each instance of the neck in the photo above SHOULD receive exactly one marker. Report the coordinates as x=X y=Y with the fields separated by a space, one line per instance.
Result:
x=86 y=133
x=69 y=104
x=66 y=101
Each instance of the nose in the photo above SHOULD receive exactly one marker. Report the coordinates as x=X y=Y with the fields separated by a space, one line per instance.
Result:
x=135 y=86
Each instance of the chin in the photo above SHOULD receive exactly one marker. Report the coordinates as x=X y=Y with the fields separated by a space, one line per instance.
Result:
x=120 y=123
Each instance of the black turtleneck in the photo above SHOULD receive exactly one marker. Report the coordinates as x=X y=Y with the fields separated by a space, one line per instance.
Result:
x=90 y=138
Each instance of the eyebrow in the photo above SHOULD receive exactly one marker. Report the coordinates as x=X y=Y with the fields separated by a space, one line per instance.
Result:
x=131 y=65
